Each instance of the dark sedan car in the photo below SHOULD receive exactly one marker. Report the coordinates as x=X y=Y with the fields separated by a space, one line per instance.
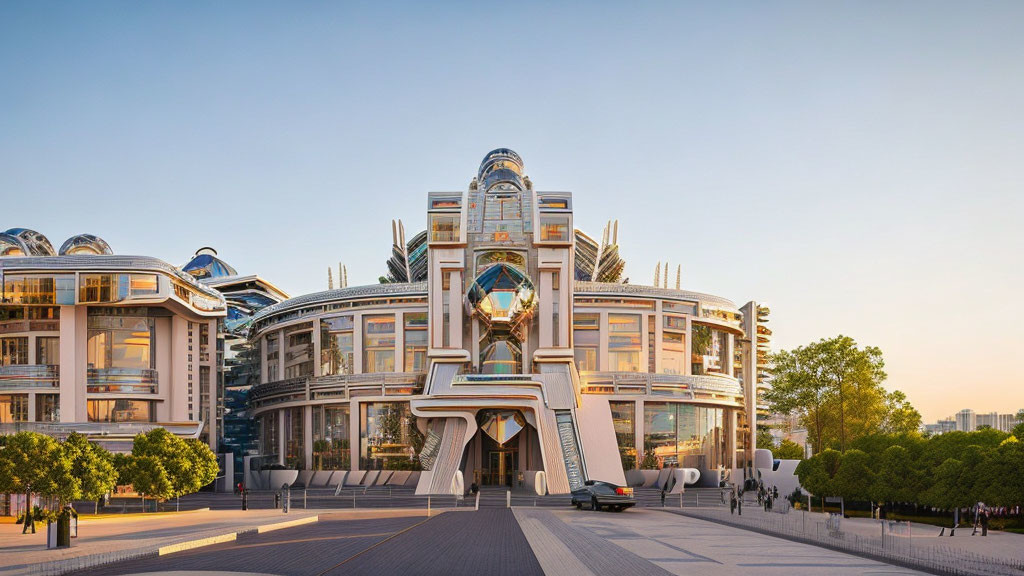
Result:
x=597 y=494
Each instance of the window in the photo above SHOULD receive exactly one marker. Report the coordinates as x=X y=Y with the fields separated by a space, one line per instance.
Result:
x=294 y=448
x=625 y=432
x=269 y=436
x=47 y=408
x=18 y=289
x=415 y=341
x=144 y=285
x=120 y=410
x=13 y=408
x=337 y=346
x=444 y=227
x=684 y=435
x=388 y=437
x=555 y=301
x=298 y=352
x=273 y=357
x=624 y=342
x=13 y=351
x=709 y=350
x=585 y=336
x=48 y=350
x=673 y=352
x=554 y=228
x=331 y=437
x=99 y=288
x=121 y=342
x=379 y=343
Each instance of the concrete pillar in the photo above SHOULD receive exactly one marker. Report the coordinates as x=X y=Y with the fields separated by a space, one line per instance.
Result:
x=32 y=350
x=730 y=443
x=638 y=425
x=162 y=353
x=213 y=399
x=455 y=309
x=73 y=359
x=178 y=382
x=602 y=347
x=545 y=304
x=307 y=435
x=357 y=343
x=354 y=422
x=32 y=406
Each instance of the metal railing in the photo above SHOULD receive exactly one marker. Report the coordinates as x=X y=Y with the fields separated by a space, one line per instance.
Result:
x=30 y=376
x=122 y=380
x=894 y=542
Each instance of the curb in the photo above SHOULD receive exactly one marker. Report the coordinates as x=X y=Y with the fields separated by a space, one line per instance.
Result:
x=69 y=565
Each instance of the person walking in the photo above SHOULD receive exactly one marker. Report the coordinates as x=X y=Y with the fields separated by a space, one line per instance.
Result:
x=983 y=519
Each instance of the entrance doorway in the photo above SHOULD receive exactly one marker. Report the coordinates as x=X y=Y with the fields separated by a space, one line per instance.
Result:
x=501 y=467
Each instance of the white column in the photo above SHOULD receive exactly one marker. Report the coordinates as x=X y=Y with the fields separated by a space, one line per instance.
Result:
x=602 y=347
x=32 y=349
x=307 y=435
x=264 y=375
x=545 y=297
x=178 y=382
x=455 y=309
x=73 y=358
x=354 y=419
x=645 y=342
x=357 y=343
x=32 y=407
x=214 y=399
x=638 y=425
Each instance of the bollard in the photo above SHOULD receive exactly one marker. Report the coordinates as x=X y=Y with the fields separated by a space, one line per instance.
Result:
x=508 y=498
x=303 y=497
x=680 y=500
x=477 y=501
x=428 y=505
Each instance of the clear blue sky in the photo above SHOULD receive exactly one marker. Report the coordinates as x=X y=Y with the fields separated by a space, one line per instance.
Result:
x=859 y=166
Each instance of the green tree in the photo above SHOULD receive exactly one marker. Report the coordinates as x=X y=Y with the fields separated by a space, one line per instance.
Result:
x=164 y=466
x=854 y=477
x=203 y=466
x=788 y=450
x=895 y=477
x=835 y=388
x=765 y=440
x=148 y=477
x=27 y=464
x=91 y=465
x=817 y=473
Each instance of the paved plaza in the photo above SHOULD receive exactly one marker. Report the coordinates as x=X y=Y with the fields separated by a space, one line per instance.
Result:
x=517 y=541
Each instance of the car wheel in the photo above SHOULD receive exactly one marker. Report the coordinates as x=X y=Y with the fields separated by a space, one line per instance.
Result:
x=579 y=505
x=594 y=505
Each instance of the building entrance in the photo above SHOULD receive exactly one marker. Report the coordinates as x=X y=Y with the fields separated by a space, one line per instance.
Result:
x=501 y=467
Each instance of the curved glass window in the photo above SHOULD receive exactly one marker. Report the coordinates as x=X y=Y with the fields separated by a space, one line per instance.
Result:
x=624 y=342
x=388 y=437
x=415 y=337
x=337 y=346
x=684 y=435
x=501 y=293
x=331 y=437
x=379 y=343
x=710 y=349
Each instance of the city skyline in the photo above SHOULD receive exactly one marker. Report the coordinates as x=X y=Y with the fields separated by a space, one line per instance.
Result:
x=824 y=182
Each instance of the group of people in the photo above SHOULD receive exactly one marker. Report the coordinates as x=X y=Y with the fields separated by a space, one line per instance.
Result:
x=766 y=497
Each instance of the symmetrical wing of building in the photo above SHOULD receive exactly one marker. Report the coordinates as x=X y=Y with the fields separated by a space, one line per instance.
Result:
x=502 y=347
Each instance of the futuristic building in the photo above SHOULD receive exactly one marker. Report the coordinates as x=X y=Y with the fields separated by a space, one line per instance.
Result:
x=504 y=347
x=238 y=361
x=103 y=344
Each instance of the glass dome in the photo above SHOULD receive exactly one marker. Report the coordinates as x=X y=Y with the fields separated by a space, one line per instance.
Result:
x=501 y=294
x=36 y=243
x=206 y=264
x=12 y=246
x=85 y=244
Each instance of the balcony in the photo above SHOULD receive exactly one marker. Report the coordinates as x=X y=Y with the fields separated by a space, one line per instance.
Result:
x=696 y=386
x=121 y=381
x=30 y=376
x=341 y=387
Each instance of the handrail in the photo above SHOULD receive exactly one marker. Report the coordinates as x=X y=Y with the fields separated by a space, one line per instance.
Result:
x=30 y=376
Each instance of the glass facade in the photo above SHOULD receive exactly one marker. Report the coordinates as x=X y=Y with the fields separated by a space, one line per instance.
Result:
x=14 y=351
x=415 y=341
x=710 y=354
x=13 y=408
x=298 y=351
x=379 y=343
x=47 y=408
x=48 y=350
x=269 y=436
x=444 y=227
x=624 y=342
x=331 y=437
x=273 y=357
x=337 y=347
x=388 y=437
x=684 y=435
x=586 y=340
x=294 y=447
x=122 y=342
x=623 y=415
x=121 y=410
